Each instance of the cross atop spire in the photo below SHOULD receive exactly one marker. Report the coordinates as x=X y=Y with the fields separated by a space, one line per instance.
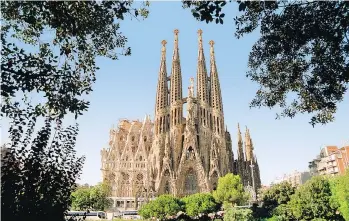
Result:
x=200 y=32
x=211 y=43
x=200 y=39
x=163 y=50
x=176 y=31
x=163 y=42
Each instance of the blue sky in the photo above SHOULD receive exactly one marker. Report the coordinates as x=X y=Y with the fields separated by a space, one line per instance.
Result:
x=126 y=89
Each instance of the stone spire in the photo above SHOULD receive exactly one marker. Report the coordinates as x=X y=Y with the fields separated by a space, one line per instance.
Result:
x=202 y=79
x=240 y=151
x=216 y=96
x=248 y=145
x=176 y=85
x=161 y=94
x=240 y=162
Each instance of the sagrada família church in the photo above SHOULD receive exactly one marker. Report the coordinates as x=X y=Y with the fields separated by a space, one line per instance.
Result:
x=172 y=154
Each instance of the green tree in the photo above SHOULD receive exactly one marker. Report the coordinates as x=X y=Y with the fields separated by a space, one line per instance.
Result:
x=62 y=41
x=230 y=190
x=161 y=208
x=94 y=198
x=99 y=197
x=276 y=218
x=283 y=212
x=313 y=200
x=48 y=51
x=301 y=55
x=199 y=204
x=81 y=198
x=340 y=192
x=276 y=195
x=37 y=177
x=235 y=214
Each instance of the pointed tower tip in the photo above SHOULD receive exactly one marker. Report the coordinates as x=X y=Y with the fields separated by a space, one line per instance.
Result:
x=200 y=32
x=247 y=132
x=200 y=38
x=175 y=56
x=211 y=43
x=163 y=50
x=163 y=42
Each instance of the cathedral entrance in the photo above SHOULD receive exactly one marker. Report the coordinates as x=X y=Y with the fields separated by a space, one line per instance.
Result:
x=191 y=183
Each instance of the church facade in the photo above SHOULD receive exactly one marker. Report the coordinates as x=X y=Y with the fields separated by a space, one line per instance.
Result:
x=175 y=154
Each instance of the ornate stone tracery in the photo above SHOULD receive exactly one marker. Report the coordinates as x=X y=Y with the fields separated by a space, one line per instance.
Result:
x=191 y=182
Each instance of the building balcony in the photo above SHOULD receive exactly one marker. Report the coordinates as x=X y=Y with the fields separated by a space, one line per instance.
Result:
x=331 y=158
x=333 y=170
x=333 y=164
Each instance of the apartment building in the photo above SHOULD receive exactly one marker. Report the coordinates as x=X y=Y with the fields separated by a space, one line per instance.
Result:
x=295 y=179
x=331 y=161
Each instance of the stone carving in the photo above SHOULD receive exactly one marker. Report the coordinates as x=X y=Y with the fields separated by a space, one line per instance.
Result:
x=167 y=147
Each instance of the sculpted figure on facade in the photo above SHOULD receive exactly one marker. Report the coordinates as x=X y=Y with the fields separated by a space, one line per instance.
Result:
x=172 y=154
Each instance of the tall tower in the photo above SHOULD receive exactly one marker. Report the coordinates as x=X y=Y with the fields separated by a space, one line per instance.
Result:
x=248 y=146
x=216 y=96
x=162 y=120
x=217 y=111
x=202 y=86
x=176 y=104
x=161 y=111
x=240 y=162
x=204 y=112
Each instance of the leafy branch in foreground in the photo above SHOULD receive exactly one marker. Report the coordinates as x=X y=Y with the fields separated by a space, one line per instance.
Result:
x=39 y=174
x=301 y=60
x=50 y=47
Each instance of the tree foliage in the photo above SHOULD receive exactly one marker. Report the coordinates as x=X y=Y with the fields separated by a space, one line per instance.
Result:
x=199 y=204
x=277 y=195
x=38 y=175
x=161 y=208
x=340 y=192
x=48 y=53
x=92 y=198
x=99 y=197
x=62 y=41
x=81 y=199
x=301 y=60
x=235 y=214
x=313 y=200
x=230 y=190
